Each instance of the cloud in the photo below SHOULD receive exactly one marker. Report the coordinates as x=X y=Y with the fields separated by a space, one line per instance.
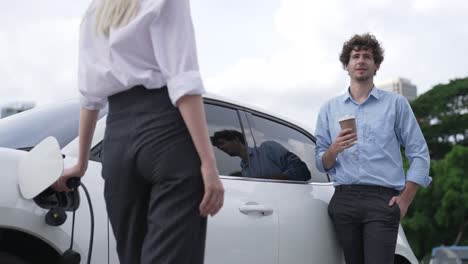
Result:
x=281 y=55
x=280 y=85
x=424 y=41
x=45 y=72
x=38 y=51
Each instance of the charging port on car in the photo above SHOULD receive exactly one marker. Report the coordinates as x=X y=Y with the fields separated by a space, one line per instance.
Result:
x=49 y=199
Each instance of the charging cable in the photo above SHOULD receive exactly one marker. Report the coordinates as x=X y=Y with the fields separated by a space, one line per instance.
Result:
x=74 y=257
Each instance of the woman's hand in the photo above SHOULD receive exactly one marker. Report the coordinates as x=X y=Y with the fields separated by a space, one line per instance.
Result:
x=213 y=198
x=193 y=112
x=88 y=119
x=61 y=184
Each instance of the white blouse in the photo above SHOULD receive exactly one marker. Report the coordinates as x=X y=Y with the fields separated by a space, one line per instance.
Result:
x=155 y=49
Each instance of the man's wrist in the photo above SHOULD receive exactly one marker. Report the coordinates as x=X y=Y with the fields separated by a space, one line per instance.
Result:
x=329 y=158
x=409 y=192
x=331 y=152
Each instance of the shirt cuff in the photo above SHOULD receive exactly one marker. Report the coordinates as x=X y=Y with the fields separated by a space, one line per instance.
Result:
x=423 y=181
x=92 y=103
x=187 y=83
x=319 y=163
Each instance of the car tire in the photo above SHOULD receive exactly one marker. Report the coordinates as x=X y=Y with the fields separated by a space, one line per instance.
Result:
x=7 y=258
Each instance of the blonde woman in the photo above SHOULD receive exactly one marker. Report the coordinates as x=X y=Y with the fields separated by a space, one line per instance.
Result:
x=161 y=180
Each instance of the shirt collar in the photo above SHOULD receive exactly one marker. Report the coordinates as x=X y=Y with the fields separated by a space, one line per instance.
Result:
x=374 y=93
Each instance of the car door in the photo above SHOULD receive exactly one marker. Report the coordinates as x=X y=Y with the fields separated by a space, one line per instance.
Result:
x=306 y=232
x=246 y=229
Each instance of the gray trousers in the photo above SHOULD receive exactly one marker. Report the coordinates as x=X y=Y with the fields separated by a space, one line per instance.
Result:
x=367 y=228
x=153 y=184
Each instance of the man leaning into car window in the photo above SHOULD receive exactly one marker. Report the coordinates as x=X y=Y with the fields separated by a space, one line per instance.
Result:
x=270 y=160
x=372 y=192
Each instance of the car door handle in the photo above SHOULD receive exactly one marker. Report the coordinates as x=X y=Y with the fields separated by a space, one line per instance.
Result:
x=252 y=208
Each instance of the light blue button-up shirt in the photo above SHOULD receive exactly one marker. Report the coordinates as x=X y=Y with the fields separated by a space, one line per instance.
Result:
x=384 y=121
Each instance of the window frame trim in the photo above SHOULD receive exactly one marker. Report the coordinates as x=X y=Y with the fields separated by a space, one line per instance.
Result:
x=260 y=114
x=237 y=178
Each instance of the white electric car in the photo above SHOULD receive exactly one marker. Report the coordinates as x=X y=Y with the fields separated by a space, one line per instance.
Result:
x=263 y=221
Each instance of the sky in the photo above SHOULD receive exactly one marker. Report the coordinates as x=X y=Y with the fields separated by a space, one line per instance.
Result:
x=278 y=55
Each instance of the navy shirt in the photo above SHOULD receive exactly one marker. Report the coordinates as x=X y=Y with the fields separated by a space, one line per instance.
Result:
x=272 y=158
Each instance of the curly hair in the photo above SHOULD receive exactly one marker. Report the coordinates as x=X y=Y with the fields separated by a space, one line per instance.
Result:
x=358 y=42
x=227 y=134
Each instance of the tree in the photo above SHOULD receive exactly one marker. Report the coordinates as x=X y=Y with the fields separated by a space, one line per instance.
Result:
x=442 y=113
x=439 y=213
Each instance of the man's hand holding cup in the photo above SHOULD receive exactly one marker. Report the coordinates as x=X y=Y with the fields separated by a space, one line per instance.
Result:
x=347 y=136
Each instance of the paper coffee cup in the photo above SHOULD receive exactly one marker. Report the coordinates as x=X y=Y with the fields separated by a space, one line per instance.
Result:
x=348 y=121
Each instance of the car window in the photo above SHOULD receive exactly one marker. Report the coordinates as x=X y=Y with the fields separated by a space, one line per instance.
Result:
x=220 y=120
x=282 y=152
x=227 y=137
x=260 y=149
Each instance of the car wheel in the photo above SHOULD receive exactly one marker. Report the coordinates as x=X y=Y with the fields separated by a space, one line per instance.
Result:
x=7 y=258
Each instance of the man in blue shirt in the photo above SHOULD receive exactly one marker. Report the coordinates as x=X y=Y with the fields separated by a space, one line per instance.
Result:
x=372 y=192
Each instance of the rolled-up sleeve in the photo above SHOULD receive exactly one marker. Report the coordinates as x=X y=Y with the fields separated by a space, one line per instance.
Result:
x=173 y=41
x=322 y=133
x=411 y=137
x=90 y=80
x=92 y=103
x=88 y=87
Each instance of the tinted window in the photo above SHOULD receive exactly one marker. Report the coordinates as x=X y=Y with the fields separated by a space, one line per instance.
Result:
x=284 y=151
x=219 y=119
x=227 y=137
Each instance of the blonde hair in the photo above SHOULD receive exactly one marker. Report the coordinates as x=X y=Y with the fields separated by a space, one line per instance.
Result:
x=114 y=14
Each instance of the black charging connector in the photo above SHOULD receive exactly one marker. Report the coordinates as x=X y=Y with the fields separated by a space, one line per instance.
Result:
x=73 y=183
x=71 y=256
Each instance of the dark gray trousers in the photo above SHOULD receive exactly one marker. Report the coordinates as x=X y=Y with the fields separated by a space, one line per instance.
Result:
x=153 y=184
x=367 y=228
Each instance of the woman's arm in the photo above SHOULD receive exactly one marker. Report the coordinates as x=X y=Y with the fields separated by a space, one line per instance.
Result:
x=193 y=112
x=88 y=119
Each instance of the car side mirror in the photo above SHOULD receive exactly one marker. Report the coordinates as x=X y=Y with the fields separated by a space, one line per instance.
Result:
x=40 y=168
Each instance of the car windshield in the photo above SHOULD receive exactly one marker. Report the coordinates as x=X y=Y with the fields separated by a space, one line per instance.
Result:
x=28 y=128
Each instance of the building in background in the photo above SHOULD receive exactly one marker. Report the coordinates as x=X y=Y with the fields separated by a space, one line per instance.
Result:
x=14 y=108
x=401 y=86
